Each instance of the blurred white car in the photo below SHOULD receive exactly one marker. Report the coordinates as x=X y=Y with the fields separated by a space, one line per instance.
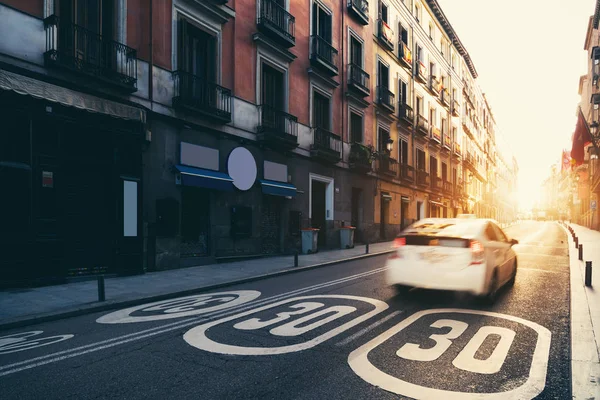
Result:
x=459 y=254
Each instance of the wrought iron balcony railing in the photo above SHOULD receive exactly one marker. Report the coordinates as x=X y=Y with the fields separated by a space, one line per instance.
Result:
x=435 y=134
x=421 y=72
x=407 y=173
x=434 y=85
x=358 y=79
x=81 y=50
x=436 y=183
x=457 y=149
x=405 y=55
x=422 y=125
x=360 y=158
x=275 y=20
x=277 y=127
x=447 y=186
x=385 y=34
x=200 y=95
x=445 y=97
x=323 y=53
x=385 y=98
x=360 y=9
x=406 y=114
x=422 y=177
x=326 y=145
x=446 y=140
x=387 y=165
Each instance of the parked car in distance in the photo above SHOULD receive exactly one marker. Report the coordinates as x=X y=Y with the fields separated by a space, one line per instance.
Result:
x=459 y=254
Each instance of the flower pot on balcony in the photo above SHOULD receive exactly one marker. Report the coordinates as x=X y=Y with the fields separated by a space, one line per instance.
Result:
x=309 y=240
x=347 y=237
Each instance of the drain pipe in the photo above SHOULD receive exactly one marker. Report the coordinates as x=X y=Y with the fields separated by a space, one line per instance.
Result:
x=343 y=64
x=151 y=63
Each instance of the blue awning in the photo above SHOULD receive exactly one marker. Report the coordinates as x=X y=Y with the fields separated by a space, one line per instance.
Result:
x=205 y=178
x=278 y=188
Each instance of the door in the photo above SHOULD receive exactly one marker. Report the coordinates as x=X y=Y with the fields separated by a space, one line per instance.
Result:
x=404 y=203
x=271 y=224
x=355 y=207
x=356 y=56
x=319 y=210
x=385 y=204
x=198 y=57
x=195 y=222
x=272 y=98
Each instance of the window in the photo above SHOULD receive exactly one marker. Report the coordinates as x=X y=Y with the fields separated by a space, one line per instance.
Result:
x=403 y=34
x=431 y=31
x=421 y=160
x=433 y=166
x=403 y=152
x=197 y=53
x=272 y=91
x=443 y=126
x=417 y=12
x=419 y=105
x=321 y=111
x=322 y=26
x=444 y=171
x=419 y=53
x=402 y=92
x=383 y=75
x=453 y=93
x=454 y=134
x=384 y=13
x=454 y=176
x=356 y=128
x=432 y=70
x=356 y=51
x=432 y=115
x=384 y=135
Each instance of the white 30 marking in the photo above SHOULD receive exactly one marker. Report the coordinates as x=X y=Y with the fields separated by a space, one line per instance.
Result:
x=533 y=386
x=181 y=307
x=198 y=338
x=411 y=351
x=21 y=341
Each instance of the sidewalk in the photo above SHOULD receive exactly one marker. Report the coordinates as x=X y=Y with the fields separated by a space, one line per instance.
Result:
x=585 y=315
x=20 y=307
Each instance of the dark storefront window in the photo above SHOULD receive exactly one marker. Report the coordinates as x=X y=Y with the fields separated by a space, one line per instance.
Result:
x=241 y=221
x=294 y=224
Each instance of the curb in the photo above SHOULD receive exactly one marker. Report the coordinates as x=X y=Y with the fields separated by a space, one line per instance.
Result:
x=92 y=308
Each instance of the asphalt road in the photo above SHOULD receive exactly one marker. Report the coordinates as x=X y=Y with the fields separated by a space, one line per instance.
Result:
x=337 y=332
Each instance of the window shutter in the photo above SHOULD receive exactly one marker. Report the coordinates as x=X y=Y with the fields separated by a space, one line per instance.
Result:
x=183 y=48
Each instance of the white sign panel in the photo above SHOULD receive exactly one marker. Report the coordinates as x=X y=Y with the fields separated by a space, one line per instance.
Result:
x=130 y=208
x=288 y=326
x=181 y=307
x=467 y=350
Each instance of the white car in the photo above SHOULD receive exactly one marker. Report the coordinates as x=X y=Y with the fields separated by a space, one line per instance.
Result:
x=458 y=254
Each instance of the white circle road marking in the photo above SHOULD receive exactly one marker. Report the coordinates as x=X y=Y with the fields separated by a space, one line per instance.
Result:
x=180 y=307
x=197 y=336
x=22 y=341
x=360 y=364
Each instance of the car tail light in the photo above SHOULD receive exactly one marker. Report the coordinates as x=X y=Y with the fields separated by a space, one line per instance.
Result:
x=399 y=242
x=477 y=252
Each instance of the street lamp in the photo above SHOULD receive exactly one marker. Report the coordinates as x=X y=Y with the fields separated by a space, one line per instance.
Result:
x=389 y=144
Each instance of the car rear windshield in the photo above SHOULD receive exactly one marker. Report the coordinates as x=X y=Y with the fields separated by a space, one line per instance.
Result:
x=443 y=228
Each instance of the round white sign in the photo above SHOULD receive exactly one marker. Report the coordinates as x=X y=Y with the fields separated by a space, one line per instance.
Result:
x=242 y=168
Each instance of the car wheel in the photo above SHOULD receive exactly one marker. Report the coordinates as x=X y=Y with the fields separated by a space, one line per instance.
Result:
x=492 y=294
x=513 y=277
x=402 y=289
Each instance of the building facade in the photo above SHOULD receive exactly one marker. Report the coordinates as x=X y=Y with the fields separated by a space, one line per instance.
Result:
x=158 y=134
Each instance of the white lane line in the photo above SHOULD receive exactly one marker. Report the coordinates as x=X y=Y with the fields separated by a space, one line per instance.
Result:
x=92 y=347
x=106 y=346
x=368 y=328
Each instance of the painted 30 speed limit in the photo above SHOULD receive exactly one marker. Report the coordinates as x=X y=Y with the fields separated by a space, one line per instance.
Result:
x=457 y=354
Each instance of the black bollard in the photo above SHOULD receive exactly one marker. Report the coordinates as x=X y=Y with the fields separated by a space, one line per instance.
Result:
x=295 y=258
x=588 y=273
x=367 y=248
x=576 y=242
x=101 y=294
x=580 y=252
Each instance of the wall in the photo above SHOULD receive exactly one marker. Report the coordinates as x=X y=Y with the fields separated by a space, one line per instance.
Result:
x=32 y=7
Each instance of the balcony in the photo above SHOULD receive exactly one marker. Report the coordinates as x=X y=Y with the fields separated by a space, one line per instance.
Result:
x=385 y=35
x=387 y=165
x=360 y=158
x=385 y=98
x=435 y=134
x=445 y=98
x=470 y=162
x=277 y=23
x=360 y=10
x=447 y=187
x=407 y=173
x=455 y=108
x=421 y=72
x=422 y=178
x=198 y=95
x=459 y=189
x=435 y=87
x=323 y=55
x=446 y=143
x=277 y=129
x=327 y=146
x=406 y=114
x=436 y=184
x=422 y=125
x=358 y=80
x=75 y=48
x=457 y=149
x=405 y=55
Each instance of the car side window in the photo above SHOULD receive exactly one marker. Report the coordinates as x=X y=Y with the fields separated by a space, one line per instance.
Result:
x=490 y=232
x=501 y=236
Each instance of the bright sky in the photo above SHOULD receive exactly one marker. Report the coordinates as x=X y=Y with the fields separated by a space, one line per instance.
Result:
x=529 y=56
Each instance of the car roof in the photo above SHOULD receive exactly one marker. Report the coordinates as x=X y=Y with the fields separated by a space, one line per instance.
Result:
x=434 y=225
